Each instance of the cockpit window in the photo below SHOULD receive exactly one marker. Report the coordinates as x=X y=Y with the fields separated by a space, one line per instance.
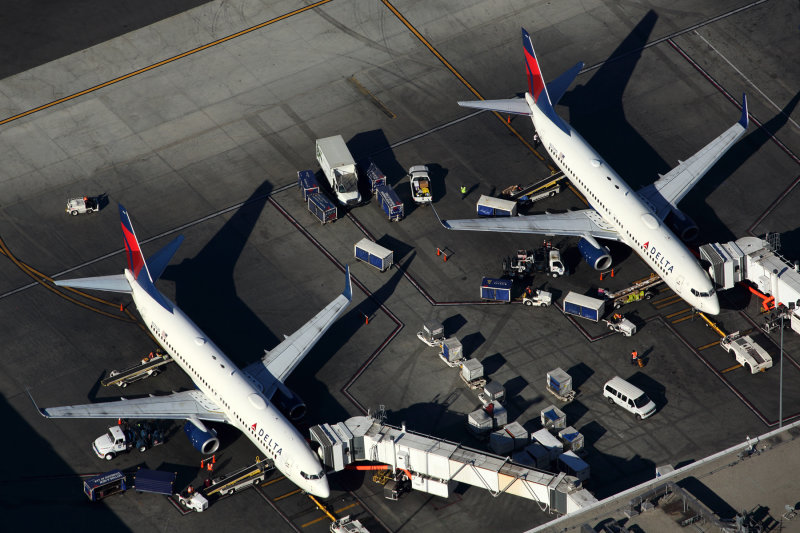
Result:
x=704 y=294
x=313 y=476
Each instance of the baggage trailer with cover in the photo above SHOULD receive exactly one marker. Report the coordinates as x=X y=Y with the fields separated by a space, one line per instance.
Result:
x=307 y=183
x=496 y=289
x=584 y=306
x=389 y=202
x=321 y=208
x=488 y=206
x=373 y=254
x=98 y=487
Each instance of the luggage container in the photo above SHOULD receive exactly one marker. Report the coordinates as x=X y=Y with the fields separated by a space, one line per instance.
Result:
x=98 y=487
x=551 y=444
x=489 y=206
x=572 y=439
x=539 y=454
x=494 y=391
x=452 y=350
x=479 y=422
x=519 y=434
x=559 y=383
x=322 y=208
x=553 y=417
x=471 y=369
x=373 y=253
x=308 y=183
x=375 y=176
x=521 y=457
x=496 y=289
x=573 y=465
x=499 y=414
x=156 y=481
x=584 y=306
x=501 y=442
x=389 y=202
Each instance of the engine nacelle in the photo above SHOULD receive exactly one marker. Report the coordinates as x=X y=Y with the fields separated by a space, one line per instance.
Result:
x=682 y=225
x=597 y=256
x=202 y=438
x=289 y=403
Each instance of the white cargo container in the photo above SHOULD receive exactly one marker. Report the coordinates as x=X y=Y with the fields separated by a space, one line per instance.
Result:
x=499 y=414
x=519 y=434
x=540 y=455
x=501 y=442
x=489 y=206
x=572 y=439
x=479 y=422
x=340 y=169
x=552 y=444
x=471 y=369
x=553 y=417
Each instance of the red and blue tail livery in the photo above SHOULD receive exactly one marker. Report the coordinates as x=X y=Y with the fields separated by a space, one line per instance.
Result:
x=536 y=83
x=132 y=251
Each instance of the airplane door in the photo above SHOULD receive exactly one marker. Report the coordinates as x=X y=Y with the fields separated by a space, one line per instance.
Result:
x=679 y=284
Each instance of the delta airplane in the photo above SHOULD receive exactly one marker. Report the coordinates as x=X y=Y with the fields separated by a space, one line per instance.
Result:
x=643 y=220
x=254 y=399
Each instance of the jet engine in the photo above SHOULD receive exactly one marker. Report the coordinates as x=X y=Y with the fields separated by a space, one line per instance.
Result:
x=598 y=257
x=684 y=227
x=202 y=438
x=289 y=403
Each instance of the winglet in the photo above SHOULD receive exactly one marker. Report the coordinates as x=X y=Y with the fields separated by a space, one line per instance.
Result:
x=444 y=223
x=41 y=411
x=745 y=120
x=348 y=288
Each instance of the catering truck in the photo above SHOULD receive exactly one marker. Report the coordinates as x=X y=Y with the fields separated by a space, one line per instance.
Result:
x=340 y=169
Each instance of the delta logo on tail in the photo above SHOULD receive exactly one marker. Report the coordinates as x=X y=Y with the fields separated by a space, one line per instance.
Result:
x=132 y=251
x=535 y=79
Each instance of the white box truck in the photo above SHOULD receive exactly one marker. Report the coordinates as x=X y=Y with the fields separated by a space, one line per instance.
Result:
x=340 y=169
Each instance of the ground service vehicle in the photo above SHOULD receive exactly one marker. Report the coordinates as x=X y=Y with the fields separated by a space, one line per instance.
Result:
x=98 y=487
x=420 y=184
x=537 y=297
x=340 y=169
x=632 y=398
x=85 y=204
x=546 y=260
x=122 y=438
x=748 y=354
x=620 y=324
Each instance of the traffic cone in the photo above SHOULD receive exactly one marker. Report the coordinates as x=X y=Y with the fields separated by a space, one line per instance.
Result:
x=445 y=258
x=438 y=251
x=121 y=309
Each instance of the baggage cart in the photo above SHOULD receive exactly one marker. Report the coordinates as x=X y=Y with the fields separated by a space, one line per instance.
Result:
x=432 y=333
x=452 y=352
x=308 y=183
x=489 y=206
x=156 y=481
x=472 y=370
x=553 y=417
x=570 y=463
x=559 y=384
x=390 y=203
x=496 y=289
x=553 y=445
x=584 y=306
x=98 y=487
x=322 y=208
x=375 y=176
x=373 y=254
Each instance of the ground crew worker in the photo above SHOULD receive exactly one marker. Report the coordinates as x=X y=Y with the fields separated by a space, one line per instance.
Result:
x=536 y=140
x=463 y=191
x=634 y=357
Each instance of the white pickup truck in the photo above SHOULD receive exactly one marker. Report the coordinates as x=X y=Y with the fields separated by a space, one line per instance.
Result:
x=748 y=354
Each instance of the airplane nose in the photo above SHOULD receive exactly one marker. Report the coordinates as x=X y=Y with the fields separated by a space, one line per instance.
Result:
x=322 y=489
x=711 y=306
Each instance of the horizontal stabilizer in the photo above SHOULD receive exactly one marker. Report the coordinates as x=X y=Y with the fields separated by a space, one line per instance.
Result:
x=113 y=283
x=559 y=86
x=159 y=260
x=512 y=106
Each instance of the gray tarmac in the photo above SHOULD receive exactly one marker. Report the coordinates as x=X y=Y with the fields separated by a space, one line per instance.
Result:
x=208 y=144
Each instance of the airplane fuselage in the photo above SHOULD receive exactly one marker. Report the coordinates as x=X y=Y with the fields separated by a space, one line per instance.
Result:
x=233 y=392
x=624 y=211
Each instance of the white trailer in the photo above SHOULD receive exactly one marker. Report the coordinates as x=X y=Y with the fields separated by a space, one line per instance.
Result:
x=748 y=354
x=339 y=167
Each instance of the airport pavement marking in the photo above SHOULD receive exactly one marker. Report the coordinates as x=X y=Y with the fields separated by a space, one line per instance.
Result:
x=461 y=78
x=290 y=493
x=666 y=302
x=372 y=98
x=321 y=518
x=706 y=346
x=165 y=61
x=734 y=367
x=682 y=311
x=678 y=321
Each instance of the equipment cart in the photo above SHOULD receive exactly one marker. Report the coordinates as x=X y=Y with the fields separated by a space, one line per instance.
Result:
x=373 y=254
x=375 y=176
x=308 y=183
x=322 y=208
x=389 y=202
x=98 y=487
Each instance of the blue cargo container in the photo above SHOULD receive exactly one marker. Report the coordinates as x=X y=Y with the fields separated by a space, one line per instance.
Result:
x=496 y=289
x=375 y=176
x=157 y=481
x=374 y=254
x=489 y=206
x=322 y=208
x=307 y=183
x=389 y=202
x=98 y=487
x=584 y=306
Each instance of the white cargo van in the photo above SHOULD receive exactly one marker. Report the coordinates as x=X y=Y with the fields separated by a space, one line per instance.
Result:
x=620 y=392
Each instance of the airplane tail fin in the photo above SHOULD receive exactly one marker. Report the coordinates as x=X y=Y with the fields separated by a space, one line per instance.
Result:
x=536 y=85
x=136 y=264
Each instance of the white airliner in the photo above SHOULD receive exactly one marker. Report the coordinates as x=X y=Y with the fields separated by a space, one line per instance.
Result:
x=253 y=399
x=640 y=219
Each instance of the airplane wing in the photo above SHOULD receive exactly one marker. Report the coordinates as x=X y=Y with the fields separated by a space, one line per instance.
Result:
x=279 y=362
x=669 y=189
x=175 y=406
x=572 y=223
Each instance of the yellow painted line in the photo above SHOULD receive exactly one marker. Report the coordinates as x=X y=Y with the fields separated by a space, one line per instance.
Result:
x=706 y=346
x=273 y=481
x=374 y=99
x=666 y=302
x=337 y=511
x=731 y=368
x=165 y=61
x=688 y=309
x=578 y=194
x=461 y=78
x=292 y=493
x=682 y=319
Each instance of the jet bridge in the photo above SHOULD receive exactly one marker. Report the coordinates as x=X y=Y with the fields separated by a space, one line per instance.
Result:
x=435 y=466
